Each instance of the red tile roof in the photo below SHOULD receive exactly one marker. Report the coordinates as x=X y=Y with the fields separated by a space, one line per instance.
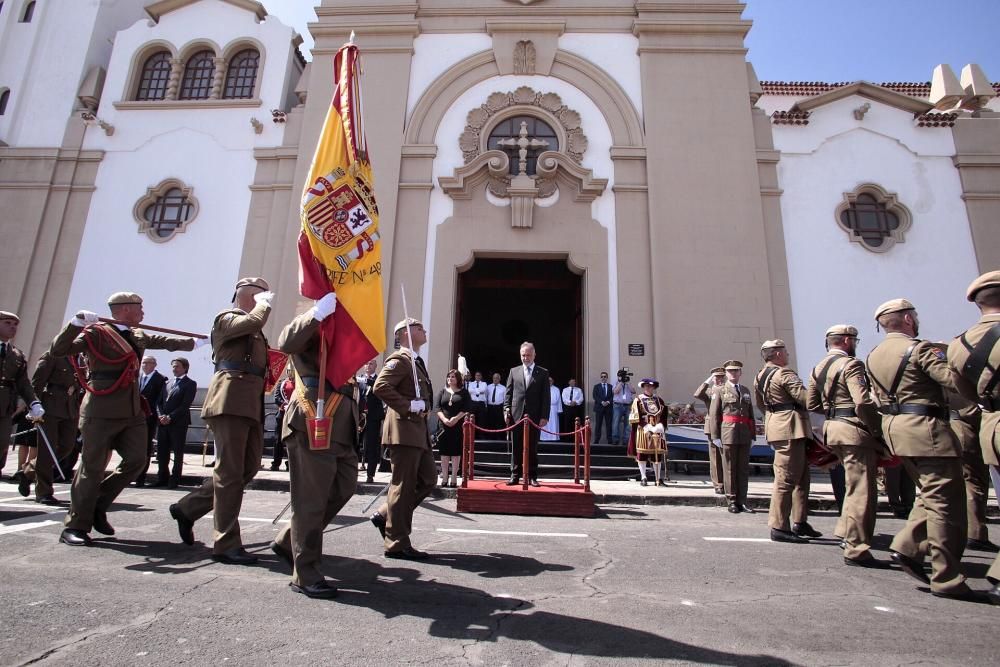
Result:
x=809 y=88
x=936 y=119
x=790 y=118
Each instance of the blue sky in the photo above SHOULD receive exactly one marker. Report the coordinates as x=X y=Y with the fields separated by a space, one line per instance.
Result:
x=837 y=40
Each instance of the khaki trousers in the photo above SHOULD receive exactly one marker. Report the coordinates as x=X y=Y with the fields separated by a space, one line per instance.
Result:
x=715 y=465
x=791 y=484
x=61 y=432
x=321 y=483
x=936 y=525
x=239 y=445
x=977 y=488
x=414 y=476
x=93 y=488
x=856 y=525
x=736 y=472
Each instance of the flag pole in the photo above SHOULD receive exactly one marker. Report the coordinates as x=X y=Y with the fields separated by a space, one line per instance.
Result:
x=409 y=342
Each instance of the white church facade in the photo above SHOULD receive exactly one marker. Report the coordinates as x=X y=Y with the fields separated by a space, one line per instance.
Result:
x=610 y=181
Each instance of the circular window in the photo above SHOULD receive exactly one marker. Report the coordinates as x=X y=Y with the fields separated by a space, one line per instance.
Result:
x=527 y=133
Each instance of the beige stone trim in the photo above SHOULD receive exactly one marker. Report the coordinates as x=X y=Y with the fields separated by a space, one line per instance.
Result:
x=139 y=58
x=892 y=204
x=542 y=36
x=186 y=104
x=158 y=10
x=977 y=158
x=867 y=90
x=154 y=193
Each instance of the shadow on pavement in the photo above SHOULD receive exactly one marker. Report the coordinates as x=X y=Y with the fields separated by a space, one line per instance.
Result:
x=494 y=565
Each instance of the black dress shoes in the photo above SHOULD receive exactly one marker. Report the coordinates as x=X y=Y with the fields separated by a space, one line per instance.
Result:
x=643 y=482
x=747 y=509
x=237 y=556
x=982 y=545
x=47 y=500
x=101 y=524
x=369 y=480
x=74 y=538
x=185 y=526
x=805 y=530
x=720 y=491
x=910 y=566
x=409 y=553
x=993 y=595
x=23 y=483
x=786 y=536
x=533 y=482
x=285 y=555
x=734 y=508
x=514 y=481
x=320 y=590
x=379 y=522
x=966 y=595
x=870 y=562
x=160 y=483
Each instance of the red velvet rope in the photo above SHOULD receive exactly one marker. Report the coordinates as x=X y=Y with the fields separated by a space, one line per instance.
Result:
x=128 y=375
x=522 y=420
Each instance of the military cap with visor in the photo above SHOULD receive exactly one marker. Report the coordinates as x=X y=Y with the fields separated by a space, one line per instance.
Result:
x=402 y=324
x=7 y=315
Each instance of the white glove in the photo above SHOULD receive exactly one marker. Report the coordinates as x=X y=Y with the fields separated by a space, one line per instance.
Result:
x=36 y=411
x=648 y=428
x=717 y=442
x=84 y=318
x=200 y=342
x=417 y=405
x=264 y=298
x=325 y=307
x=710 y=380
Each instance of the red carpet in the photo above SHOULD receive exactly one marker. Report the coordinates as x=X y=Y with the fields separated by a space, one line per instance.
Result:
x=493 y=496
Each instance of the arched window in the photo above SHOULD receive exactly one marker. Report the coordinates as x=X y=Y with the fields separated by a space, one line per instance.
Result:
x=198 y=75
x=29 y=11
x=241 y=75
x=506 y=133
x=4 y=98
x=155 y=77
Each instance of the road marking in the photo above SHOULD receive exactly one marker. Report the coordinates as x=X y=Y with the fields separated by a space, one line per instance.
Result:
x=737 y=539
x=21 y=498
x=508 y=532
x=16 y=528
x=48 y=509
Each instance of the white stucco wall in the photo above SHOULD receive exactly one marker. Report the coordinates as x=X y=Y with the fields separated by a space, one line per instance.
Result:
x=616 y=54
x=836 y=281
x=188 y=279
x=434 y=54
x=597 y=157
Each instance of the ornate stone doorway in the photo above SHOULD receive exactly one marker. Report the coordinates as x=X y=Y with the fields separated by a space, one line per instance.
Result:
x=503 y=302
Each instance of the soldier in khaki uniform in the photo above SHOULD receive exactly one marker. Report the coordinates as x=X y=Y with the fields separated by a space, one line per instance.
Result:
x=966 y=420
x=909 y=378
x=14 y=383
x=111 y=417
x=974 y=358
x=234 y=410
x=839 y=391
x=780 y=396
x=322 y=480
x=404 y=432
x=704 y=392
x=732 y=428
x=55 y=384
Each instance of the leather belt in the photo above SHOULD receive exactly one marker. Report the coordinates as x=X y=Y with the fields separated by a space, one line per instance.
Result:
x=781 y=407
x=242 y=366
x=921 y=409
x=835 y=413
x=736 y=419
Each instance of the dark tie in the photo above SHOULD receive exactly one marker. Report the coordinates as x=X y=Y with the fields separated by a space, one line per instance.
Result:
x=420 y=365
x=494 y=398
x=3 y=350
x=604 y=388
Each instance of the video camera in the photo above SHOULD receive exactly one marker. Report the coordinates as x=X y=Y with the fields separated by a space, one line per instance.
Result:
x=625 y=374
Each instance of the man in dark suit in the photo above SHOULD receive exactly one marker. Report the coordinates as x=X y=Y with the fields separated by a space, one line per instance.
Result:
x=603 y=407
x=374 y=416
x=151 y=383
x=174 y=412
x=527 y=394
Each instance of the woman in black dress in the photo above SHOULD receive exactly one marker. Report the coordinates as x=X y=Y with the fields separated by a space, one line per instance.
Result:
x=453 y=403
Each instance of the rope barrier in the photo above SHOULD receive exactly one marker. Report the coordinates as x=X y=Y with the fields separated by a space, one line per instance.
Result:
x=521 y=421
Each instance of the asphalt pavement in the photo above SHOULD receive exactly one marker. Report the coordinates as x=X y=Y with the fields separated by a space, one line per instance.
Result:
x=674 y=584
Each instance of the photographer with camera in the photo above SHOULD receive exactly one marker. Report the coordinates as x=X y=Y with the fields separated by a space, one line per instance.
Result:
x=622 y=400
x=602 y=396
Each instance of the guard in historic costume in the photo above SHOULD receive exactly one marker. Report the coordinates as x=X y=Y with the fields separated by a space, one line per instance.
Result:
x=648 y=434
x=732 y=427
x=14 y=383
x=405 y=434
x=909 y=378
x=781 y=397
x=323 y=471
x=111 y=415
x=974 y=359
x=715 y=380
x=55 y=383
x=853 y=431
x=234 y=410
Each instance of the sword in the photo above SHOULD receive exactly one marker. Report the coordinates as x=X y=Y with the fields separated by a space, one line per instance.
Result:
x=48 y=445
x=281 y=513
x=377 y=495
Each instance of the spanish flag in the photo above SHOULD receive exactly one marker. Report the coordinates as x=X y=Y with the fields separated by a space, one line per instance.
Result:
x=339 y=247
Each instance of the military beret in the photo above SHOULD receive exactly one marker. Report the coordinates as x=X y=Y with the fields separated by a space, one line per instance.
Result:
x=842 y=330
x=771 y=344
x=5 y=315
x=990 y=279
x=718 y=370
x=733 y=365
x=650 y=381
x=123 y=298
x=411 y=321
x=259 y=283
x=893 y=306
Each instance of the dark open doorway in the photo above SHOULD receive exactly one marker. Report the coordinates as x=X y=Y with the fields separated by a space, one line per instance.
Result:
x=503 y=302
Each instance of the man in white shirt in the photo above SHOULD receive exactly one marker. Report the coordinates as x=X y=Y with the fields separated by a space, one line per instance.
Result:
x=572 y=400
x=477 y=392
x=495 y=394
